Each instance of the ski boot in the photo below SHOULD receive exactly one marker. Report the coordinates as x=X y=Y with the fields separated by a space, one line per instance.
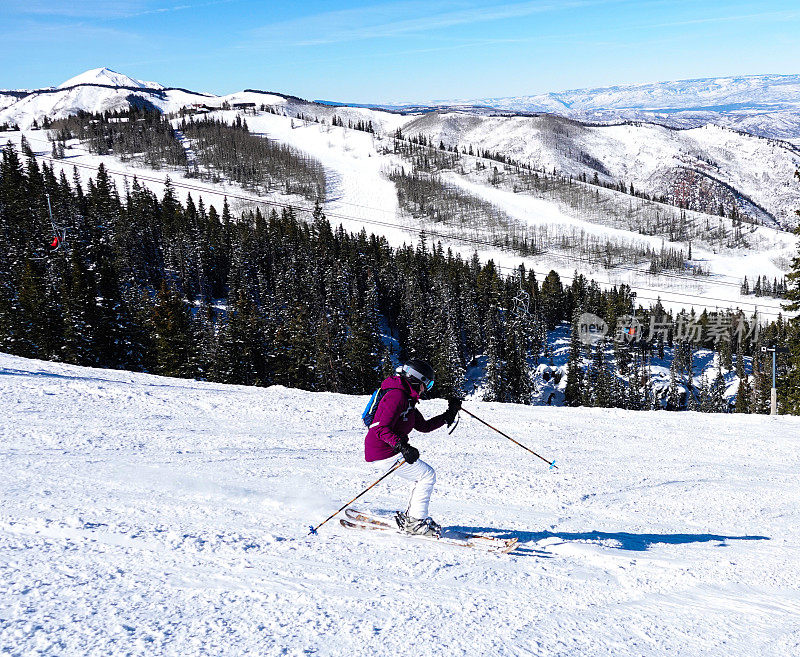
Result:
x=418 y=526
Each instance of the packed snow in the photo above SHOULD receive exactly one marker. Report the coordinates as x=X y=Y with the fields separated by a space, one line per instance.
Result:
x=142 y=515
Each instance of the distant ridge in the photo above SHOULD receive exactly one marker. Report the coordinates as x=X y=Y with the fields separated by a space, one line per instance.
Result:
x=107 y=77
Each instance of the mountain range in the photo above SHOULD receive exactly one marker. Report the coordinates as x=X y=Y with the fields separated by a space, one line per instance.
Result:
x=670 y=140
x=765 y=105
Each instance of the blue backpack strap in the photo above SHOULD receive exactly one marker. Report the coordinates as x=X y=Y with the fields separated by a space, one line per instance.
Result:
x=372 y=406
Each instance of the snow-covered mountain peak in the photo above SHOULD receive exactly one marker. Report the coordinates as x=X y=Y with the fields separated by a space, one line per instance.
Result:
x=107 y=77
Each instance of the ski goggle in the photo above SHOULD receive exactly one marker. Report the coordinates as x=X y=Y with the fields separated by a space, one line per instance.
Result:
x=412 y=373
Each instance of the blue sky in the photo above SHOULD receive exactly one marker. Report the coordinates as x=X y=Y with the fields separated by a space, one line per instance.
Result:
x=390 y=51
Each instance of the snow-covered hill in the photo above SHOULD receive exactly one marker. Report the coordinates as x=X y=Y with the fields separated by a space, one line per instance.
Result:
x=767 y=105
x=359 y=195
x=712 y=162
x=149 y=516
x=730 y=167
x=102 y=89
x=107 y=77
x=755 y=173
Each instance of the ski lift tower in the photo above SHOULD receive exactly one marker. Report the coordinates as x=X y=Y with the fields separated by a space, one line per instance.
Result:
x=775 y=350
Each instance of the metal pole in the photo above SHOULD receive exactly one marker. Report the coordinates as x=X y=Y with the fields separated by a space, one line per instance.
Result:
x=774 y=393
x=313 y=530
x=552 y=464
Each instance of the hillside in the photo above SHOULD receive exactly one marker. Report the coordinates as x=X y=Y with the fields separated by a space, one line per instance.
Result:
x=359 y=194
x=146 y=515
x=701 y=169
x=599 y=229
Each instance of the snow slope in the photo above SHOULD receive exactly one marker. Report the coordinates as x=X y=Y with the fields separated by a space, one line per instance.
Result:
x=149 y=516
x=650 y=156
x=359 y=195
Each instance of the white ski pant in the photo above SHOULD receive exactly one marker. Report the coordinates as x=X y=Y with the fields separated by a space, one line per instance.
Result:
x=424 y=477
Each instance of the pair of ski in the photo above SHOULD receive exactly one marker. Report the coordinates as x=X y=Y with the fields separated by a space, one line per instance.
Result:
x=358 y=520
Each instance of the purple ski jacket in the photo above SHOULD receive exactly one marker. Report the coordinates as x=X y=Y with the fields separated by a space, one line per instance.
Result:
x=396 y=416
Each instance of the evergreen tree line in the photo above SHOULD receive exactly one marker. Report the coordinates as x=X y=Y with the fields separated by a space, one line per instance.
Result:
x=135 y=133
x=617 y=373
x=257 y=163
x=763 y=287
x=151 y=284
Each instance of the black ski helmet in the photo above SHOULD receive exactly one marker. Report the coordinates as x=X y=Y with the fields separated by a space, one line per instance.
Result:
x=418 y=371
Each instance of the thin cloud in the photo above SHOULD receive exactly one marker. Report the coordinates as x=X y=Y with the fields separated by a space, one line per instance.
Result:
x=183 y=7
x=34 y=31
x=81 y=9
x=102 y=9
x=764 y=15
x=390 y=20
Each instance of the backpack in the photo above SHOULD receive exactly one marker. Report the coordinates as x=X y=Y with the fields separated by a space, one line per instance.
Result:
x=372 y=405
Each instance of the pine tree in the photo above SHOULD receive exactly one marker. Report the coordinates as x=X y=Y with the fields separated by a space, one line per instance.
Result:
x=496 y=385
x=363 y=347
x=80 y=312
x=574 y=390
x=637 y=393
x=601 y=380
x=173 y=339
x=673 y=394
x=446 y=351
x=717 y=394
x=743 y=396
x=791 y=382
x=33 y=337
x=292 y=353
x=518 y=371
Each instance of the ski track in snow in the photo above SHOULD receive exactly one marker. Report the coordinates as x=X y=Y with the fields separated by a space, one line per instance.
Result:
x=142 y=515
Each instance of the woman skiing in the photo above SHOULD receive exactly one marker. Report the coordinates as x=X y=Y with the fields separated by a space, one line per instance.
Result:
x=395 y=417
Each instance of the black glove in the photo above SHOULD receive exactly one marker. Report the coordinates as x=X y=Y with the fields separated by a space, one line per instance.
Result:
x=453 y=407
x=410 y=454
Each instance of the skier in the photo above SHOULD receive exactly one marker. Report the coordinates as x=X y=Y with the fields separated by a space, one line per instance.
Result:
x=395 y=417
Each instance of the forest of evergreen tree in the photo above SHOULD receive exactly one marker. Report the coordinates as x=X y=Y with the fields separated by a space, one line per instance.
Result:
x=156 y=285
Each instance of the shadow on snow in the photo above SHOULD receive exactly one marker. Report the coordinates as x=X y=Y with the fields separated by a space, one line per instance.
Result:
x=625 y=540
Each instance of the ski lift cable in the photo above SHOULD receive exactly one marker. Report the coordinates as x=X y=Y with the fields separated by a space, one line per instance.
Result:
x=419 y=231
x=429 y=231
x=564 y=256
x=732 y=283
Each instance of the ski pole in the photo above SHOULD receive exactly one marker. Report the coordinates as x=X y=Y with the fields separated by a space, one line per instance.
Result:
x=552 y=463
x=394 y=467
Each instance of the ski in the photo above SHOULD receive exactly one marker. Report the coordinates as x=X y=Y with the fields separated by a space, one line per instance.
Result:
x=360 y=516
x=358 y=520
x=449 y=540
